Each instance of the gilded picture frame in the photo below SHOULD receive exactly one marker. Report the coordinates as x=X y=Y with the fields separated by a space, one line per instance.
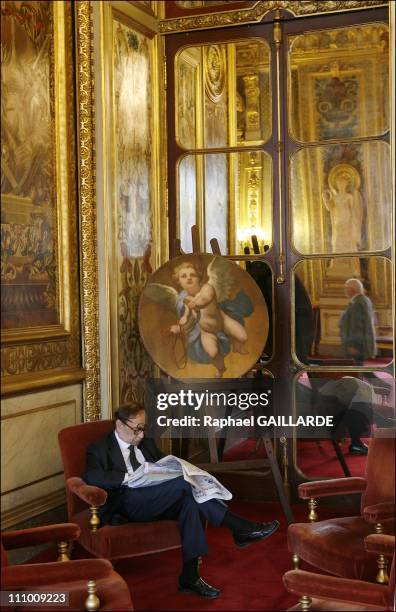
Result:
x=37 y=278
x=41 y=355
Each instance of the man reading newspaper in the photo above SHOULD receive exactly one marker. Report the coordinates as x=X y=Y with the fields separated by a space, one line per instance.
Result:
x=144 y=485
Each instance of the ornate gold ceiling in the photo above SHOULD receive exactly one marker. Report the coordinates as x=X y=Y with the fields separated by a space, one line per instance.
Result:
x=256 y=13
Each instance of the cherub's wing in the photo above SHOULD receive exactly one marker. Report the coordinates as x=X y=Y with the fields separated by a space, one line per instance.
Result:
x=220 y=278
x=162 y=294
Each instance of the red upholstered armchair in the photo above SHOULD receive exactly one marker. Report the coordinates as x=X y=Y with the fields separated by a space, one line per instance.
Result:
x=343 y=593
x=91 y=584
x=83 y=501
x=336 y=545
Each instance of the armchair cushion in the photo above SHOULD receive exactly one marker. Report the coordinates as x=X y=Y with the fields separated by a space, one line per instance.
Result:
x=39 y=535
x=128 y=540
x=381 y=544
x=340 y=542
x=380 y=513
x=341 y=589
x=93 y=496
x=327 y=488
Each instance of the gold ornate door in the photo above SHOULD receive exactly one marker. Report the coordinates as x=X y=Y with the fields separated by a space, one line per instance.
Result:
x=281 y=130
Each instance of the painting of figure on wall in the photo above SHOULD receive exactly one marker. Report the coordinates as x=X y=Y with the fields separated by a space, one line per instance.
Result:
x=28 y=182
x=202 y=316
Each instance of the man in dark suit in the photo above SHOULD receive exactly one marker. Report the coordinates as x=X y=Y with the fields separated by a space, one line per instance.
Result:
x=357 y=324
x=110 y=463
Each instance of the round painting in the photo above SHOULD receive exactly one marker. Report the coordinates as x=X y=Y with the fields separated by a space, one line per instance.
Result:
x=203 y=316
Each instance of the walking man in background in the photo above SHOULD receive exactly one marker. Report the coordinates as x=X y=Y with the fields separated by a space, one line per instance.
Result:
x=356 y=324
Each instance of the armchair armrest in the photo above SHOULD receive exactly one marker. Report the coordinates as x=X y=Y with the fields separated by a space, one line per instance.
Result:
x=327 y=488
x=346 y=590
x=39 y=535
x=380 y=543
x=45 y=574
x=380 y=513
x=93 y=496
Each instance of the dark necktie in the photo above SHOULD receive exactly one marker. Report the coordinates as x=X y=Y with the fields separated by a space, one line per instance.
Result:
x=132 y=457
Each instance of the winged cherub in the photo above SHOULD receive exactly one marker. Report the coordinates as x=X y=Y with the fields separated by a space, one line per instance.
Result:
x=210 y=323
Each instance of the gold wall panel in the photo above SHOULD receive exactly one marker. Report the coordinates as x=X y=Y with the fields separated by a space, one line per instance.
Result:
x=31 y=467
x=133 y=191
x=132 y=216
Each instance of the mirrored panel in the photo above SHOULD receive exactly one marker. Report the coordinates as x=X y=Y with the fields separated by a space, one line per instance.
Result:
x=223 y=94
x=338 y=83
x=340 y=198
x=229 y=195
x=190 y=168
x=343 y=312
x=348 y=408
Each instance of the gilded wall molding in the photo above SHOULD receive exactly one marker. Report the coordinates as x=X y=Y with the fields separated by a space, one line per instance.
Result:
x=258 y=12
x=26 y=511
x=88 y=249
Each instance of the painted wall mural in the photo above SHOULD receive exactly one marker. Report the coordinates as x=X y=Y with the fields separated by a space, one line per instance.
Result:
x=28 y=181
x=133 y=191
x=40 y=290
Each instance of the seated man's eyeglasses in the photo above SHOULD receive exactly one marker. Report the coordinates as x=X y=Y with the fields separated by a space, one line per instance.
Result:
x=136 y=430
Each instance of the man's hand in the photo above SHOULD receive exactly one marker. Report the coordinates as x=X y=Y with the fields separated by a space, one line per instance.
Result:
x=352 y=350
x=175 y=330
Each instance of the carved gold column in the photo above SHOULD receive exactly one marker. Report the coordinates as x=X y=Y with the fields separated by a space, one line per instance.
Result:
x=89 y=273
x=252 y=93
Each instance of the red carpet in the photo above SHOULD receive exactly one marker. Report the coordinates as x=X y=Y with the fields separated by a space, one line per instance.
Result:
x=322 y=461
x=250 y=578
x=312 y=459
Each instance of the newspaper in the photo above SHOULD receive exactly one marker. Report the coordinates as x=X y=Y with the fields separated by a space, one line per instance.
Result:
x=204 y=486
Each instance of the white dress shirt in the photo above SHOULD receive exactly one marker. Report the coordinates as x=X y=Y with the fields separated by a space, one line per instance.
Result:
x=125 y=450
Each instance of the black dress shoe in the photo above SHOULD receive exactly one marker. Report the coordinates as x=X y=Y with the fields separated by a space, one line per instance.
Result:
x=358 y=449
x=199 y=587
x=258 y=532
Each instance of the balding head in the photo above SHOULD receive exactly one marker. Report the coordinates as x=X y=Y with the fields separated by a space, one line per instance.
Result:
x=353 y=286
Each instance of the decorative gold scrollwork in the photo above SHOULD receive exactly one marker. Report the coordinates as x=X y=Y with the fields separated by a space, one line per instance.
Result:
x=259 y=10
